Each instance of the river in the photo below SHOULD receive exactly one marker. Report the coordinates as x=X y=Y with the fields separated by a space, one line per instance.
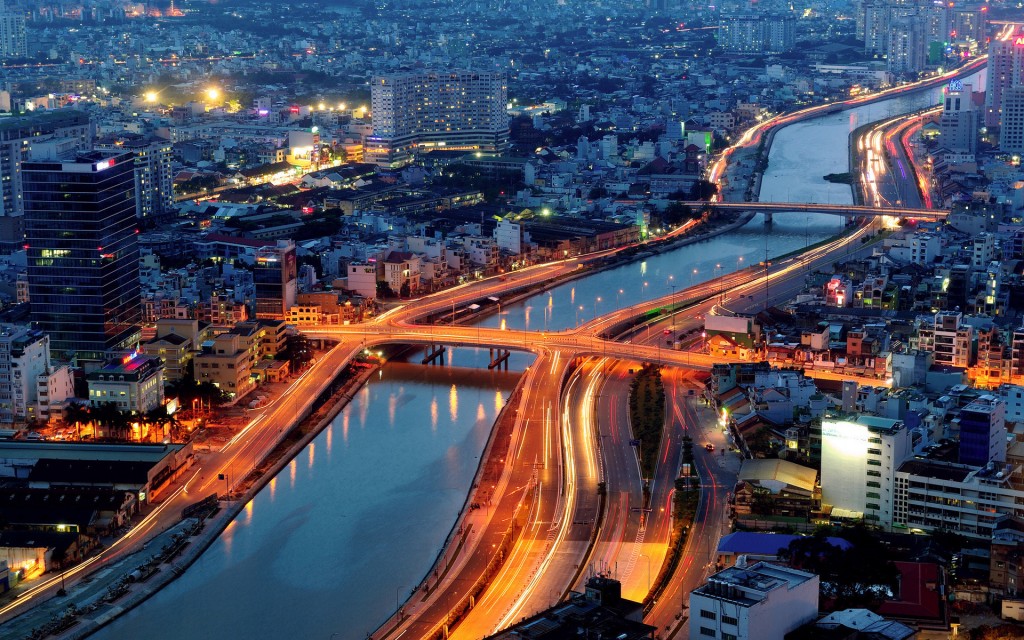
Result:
x=357 y=519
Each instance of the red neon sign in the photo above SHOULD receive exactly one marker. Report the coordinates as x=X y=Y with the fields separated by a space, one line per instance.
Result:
x=1019 y=41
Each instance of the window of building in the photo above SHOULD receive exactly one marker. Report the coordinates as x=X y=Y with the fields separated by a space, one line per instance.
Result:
x=707 y=631
x=729 y=620
x=709 y=615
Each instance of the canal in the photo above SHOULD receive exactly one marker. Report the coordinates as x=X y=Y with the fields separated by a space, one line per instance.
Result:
x=335 y=540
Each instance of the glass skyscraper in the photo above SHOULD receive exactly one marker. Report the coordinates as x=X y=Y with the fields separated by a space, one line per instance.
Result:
x=83 y=255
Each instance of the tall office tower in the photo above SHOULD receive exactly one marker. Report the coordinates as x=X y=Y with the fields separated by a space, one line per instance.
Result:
x=983 y=431
x=907 y=45
x=275 y=278
x=421 y=111
x=876 y=28
x=16 y=135
x=959 y=122
x=12 y=33
x=154 y=180
x=83 y=254
x=1011 y=133
x=968 y=23
x=1005 y=69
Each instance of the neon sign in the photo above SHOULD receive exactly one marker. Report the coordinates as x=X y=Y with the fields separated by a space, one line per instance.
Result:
x=1019 y=41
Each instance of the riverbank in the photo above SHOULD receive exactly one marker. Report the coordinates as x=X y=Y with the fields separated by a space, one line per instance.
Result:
x=490 y=480
x=95 y=614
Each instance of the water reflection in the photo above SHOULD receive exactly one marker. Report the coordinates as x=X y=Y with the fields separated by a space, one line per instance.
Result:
x=453 y=403
x=335 y=543
x=433 y=413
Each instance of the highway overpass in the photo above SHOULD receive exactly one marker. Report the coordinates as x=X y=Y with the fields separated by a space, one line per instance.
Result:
x=769 y=208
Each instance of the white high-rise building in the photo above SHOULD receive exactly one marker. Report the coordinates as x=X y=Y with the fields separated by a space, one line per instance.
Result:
x=907 y=50
x=154 y=178
x=959 y=121
x=859 y=459
x=24 y=355
x=876 y=27
x=757 y=32
x=1005 y=69
x=1011 y=133
x=437 y=110
x=13 y=43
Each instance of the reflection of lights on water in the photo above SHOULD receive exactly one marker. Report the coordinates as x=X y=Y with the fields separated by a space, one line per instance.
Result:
x=344 y=427
x=499 y=401
x=330 y=437
x=572 y=295
x=503 y=327
x=312 y=453
x=392 y=406
x=248 y=512
x=291 y=472
x=643 y=268
x=228 y=536
x=481 y=414
x=273 y=487
x=433 y=414
x=453 y=403
x=364 y=406
x=526 y=312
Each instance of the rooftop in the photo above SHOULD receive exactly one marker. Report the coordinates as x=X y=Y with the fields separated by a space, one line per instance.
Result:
x=21 y=450
x=779 y=470
x=749 y=586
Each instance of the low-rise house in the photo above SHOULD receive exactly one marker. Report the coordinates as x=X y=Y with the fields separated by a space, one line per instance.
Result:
x=134 y=384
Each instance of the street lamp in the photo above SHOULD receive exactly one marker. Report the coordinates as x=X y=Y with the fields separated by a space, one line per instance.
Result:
x=596 y=302
x=578 y=309
x=672 y=300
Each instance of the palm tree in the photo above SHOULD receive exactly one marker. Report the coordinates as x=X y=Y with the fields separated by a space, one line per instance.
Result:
x=158 y=418
x=76 y=414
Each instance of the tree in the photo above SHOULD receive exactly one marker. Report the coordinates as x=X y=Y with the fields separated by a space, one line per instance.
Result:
x=703 y=190
x=77 y=414
x=297 y=351
x=857 y=577
x=404 y=290
x=157 y=418
x=384 y=290
x=677 y=213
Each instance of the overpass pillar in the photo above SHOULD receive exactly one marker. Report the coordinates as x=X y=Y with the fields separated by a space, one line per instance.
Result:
x=768 y=218
x=432 y=353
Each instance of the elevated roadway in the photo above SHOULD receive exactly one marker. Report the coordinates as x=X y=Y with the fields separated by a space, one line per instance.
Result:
x=832 y=209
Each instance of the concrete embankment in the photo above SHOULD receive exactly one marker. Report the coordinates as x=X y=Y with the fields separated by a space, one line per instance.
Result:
x=300 y=436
